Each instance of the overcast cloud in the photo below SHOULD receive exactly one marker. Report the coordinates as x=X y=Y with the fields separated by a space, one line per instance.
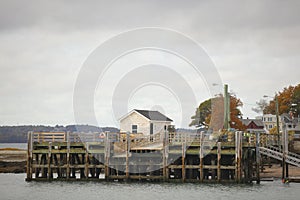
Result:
x=255 y=46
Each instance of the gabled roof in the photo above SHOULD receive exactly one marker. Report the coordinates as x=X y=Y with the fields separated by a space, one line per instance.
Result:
x=258 y=122
x=150 y=115
x=153 y=115
x=288 y=119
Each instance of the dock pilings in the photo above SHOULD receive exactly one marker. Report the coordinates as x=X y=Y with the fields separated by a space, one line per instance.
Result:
x=172 y=158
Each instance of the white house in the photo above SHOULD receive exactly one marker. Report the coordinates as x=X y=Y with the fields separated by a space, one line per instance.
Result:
x=147 y=122
x=270 y=122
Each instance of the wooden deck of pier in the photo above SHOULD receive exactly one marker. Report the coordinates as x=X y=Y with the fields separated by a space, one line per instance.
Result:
x=168 y=157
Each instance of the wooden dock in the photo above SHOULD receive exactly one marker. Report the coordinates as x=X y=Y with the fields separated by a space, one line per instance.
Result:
x=165 y=157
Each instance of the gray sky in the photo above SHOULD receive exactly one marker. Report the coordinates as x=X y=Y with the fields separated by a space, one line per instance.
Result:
x=254 y=45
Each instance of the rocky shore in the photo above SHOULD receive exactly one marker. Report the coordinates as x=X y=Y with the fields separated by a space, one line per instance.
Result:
x=12 y=160
x=275 y=171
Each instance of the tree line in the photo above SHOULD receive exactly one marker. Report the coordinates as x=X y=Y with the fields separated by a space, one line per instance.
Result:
x=18 y=134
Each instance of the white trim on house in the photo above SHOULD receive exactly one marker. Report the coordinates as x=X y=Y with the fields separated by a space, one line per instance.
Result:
x=123 y=117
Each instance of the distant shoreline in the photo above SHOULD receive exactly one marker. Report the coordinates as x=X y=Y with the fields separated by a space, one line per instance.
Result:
x=18 y=134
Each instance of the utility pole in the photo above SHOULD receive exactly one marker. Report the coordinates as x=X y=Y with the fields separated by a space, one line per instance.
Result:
x=226 y=108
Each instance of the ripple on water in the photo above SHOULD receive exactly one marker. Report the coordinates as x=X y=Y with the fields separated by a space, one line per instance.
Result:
x=13 y=186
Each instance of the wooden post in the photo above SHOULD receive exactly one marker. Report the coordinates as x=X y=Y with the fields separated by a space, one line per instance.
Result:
x=257 y=158
x=183 y=160
x=165 y=155
x=49 y=160
x=283 y=177
x=286 y=145
x=127 y=154
x=219 y=162
x=29 y=156
x=285 y=139
x=238 y=153
x=86 y=169
x=68 y=156
x=107 y=156
x=201 y=155
x=287 y=171
x=37 y=170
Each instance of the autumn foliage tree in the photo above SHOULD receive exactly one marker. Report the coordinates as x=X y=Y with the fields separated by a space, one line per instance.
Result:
x=210 y=114
x=288 y=100
x=235 y=113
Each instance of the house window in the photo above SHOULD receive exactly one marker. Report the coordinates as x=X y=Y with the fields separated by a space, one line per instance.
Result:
x=270 y=119
x=270 y=126
x=134 y=129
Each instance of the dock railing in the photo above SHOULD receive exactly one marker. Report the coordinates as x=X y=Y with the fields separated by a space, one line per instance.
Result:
x=266 y=140
x=49 y=137
x=74 y=137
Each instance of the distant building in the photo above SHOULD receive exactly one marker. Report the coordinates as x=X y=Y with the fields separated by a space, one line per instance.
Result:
x=270 y=121
x=254 y=125
x=147 y=122
x=291 y=123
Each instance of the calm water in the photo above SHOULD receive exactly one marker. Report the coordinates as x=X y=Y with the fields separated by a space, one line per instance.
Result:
x=13 y=145
x=13 y=186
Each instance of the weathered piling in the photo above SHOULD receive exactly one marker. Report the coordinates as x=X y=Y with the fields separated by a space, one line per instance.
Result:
x=183 y=164
x=127 y=155
x=257 y=158
x=219 y=162
x=68 y=156
x=201 y=156
x=29 y=156
x=238 y=156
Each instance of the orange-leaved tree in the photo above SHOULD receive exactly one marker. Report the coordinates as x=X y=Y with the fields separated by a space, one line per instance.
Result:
x=288 y=100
